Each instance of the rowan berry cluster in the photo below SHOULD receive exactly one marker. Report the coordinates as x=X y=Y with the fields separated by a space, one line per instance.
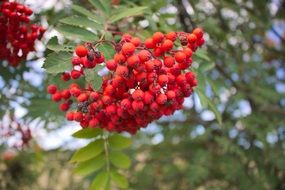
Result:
x=18 y=36
x=18 y=132
x=146 y=81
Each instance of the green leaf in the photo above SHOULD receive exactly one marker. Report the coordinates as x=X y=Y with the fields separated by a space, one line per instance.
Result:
x=58 y=62
x=119 y=179
x=202 y=54
x=107 y=50
x=206 y=66
x=54 y=46
x=85 y=12
x=87 y=133
x=202 y=97
x=100 y=182
x=127 y=13
x=49 y=113
x=92 y=77
x=119 y=142
x=205 y=101
x=90 y=166
x=81 y=22
x=120 y=160
x=92 y=150
x=103 y=5
x=73 y=32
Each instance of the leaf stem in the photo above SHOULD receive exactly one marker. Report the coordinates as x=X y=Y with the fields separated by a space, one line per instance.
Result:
x=106 y=147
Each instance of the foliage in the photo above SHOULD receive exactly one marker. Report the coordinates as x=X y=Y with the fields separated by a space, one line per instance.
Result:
x=232 y=138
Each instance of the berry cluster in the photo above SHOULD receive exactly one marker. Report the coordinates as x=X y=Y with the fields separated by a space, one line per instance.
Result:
x=17 y=34
x=17 y=132
x=146 y=81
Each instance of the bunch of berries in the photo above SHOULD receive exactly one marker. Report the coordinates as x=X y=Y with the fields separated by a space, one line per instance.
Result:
x=18 y=36
x=146 y=81
x=14 y=131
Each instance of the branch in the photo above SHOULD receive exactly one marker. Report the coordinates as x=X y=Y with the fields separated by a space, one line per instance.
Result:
x=184 y=17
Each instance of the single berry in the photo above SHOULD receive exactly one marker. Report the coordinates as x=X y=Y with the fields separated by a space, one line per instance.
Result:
x=192 y=38
x=81 y=51
x=161 y=99
x=75 y=74
x=111 y=65
x=169 y=61
x=136 y=41
x=52 y=89
x=180 y=57
x=138 y=94
x=167 y=45
x=78 y=116
x=149 y=43
x=171 y=36
x=70 y=116
x=157 y=37
x=128 y=48
x=64 y=106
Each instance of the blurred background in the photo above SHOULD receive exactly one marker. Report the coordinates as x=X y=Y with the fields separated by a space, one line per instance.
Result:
x=230 y=135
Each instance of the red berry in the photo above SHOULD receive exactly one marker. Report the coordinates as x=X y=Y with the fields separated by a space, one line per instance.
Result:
x=127 y=37
x=149 y=66
x=56 y=97
x=167 y=45
x=148 y=98
x=119 y=58
x=198 y=32
x=162 y=80
x=100 y=59
x=52 y=89
x=65 y=76
x=169 y=61
x=180 y=57
x=188 y=52
x=65 y=94
x=81 y=51
x=161 y=99
x=122 y=71
x=78 y=116
x=64 y=106
x=106 y=100
x=76 y=61
x=137 y=105
x=75 y=91
x=111 y=65
x=189 y=77
x=181 y=80
x=93 y=122
x=75 y=74
x=170 y=94
x=70 y=116
x=154 y=106
x=149 y=43
x=125 y=104
x=144 y=55
x=136 y=41
x=171 y=36
x=158 y=51
x=133 y=61
x=138 y=94
x=200 y=42
x=128 y=48
x=82 y=97
x=109 y=90
x=192 y=38
x=94 y=96
x=157 y=37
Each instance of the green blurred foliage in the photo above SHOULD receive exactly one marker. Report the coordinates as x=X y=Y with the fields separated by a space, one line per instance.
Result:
x=237 y=66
